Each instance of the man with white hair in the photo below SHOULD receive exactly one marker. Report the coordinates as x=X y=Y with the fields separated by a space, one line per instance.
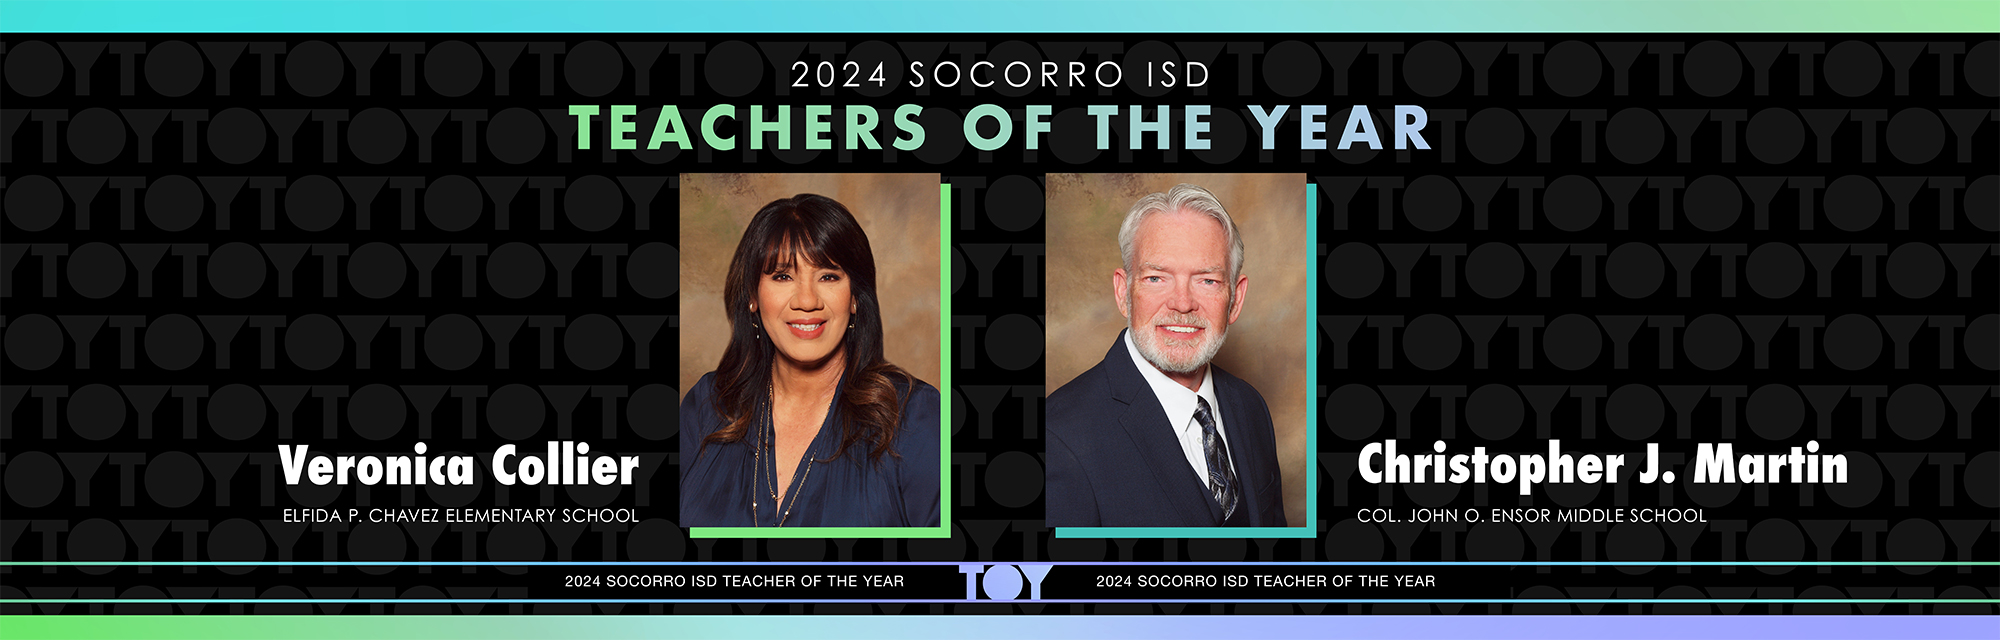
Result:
x=1156 y=435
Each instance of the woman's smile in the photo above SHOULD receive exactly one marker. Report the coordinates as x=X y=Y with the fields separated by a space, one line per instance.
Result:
x=808 y=328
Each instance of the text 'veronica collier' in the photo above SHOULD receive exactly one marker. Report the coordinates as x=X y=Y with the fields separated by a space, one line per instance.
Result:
x=566 y=463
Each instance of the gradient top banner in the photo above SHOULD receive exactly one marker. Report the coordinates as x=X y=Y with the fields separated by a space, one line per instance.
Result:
x=1366 y=16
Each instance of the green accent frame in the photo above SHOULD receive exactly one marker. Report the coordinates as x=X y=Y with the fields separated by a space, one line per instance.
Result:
x=943 y=530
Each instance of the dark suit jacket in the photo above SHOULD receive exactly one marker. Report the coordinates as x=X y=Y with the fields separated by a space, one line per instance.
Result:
x=1114 y=460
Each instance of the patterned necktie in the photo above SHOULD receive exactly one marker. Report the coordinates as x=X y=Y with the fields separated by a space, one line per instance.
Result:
x=1221 y=477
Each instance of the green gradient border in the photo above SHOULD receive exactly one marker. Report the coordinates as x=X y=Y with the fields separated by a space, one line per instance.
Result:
x=1080 y=16
x=1314 y=410
x=943 y=530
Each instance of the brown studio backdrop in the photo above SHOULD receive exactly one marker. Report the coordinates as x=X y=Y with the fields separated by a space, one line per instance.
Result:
x=1267 y=345
x=898 y=211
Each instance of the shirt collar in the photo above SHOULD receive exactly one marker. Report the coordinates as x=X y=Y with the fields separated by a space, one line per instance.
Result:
x=1177 y=400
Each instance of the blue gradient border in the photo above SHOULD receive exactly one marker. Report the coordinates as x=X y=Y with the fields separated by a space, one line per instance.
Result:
x=899 y=563
x=1370 y=16
x=1037 y=16
x=1107 y=627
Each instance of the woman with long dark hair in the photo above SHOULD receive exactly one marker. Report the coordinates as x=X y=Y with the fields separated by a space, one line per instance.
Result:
x=804 y=423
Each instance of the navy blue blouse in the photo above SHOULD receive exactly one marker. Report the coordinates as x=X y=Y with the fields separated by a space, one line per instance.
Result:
x=850 y=491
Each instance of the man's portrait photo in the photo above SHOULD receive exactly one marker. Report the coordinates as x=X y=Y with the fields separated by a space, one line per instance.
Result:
x=1179 y=336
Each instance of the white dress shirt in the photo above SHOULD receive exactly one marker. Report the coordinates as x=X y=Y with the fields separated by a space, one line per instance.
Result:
x=1179 y=404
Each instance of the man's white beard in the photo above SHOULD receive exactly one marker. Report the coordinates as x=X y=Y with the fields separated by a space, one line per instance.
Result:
x=1148 y=342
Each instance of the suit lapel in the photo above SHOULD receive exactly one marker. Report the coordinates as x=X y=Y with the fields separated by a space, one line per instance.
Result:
x=1145 y=423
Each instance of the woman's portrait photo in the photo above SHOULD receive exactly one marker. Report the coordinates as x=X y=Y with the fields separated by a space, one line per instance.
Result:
x=810 y=343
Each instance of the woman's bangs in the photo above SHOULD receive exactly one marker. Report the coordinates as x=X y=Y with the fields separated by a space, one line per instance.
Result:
x=785 y=248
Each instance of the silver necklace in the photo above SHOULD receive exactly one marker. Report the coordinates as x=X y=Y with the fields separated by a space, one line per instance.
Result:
x=767 y=435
